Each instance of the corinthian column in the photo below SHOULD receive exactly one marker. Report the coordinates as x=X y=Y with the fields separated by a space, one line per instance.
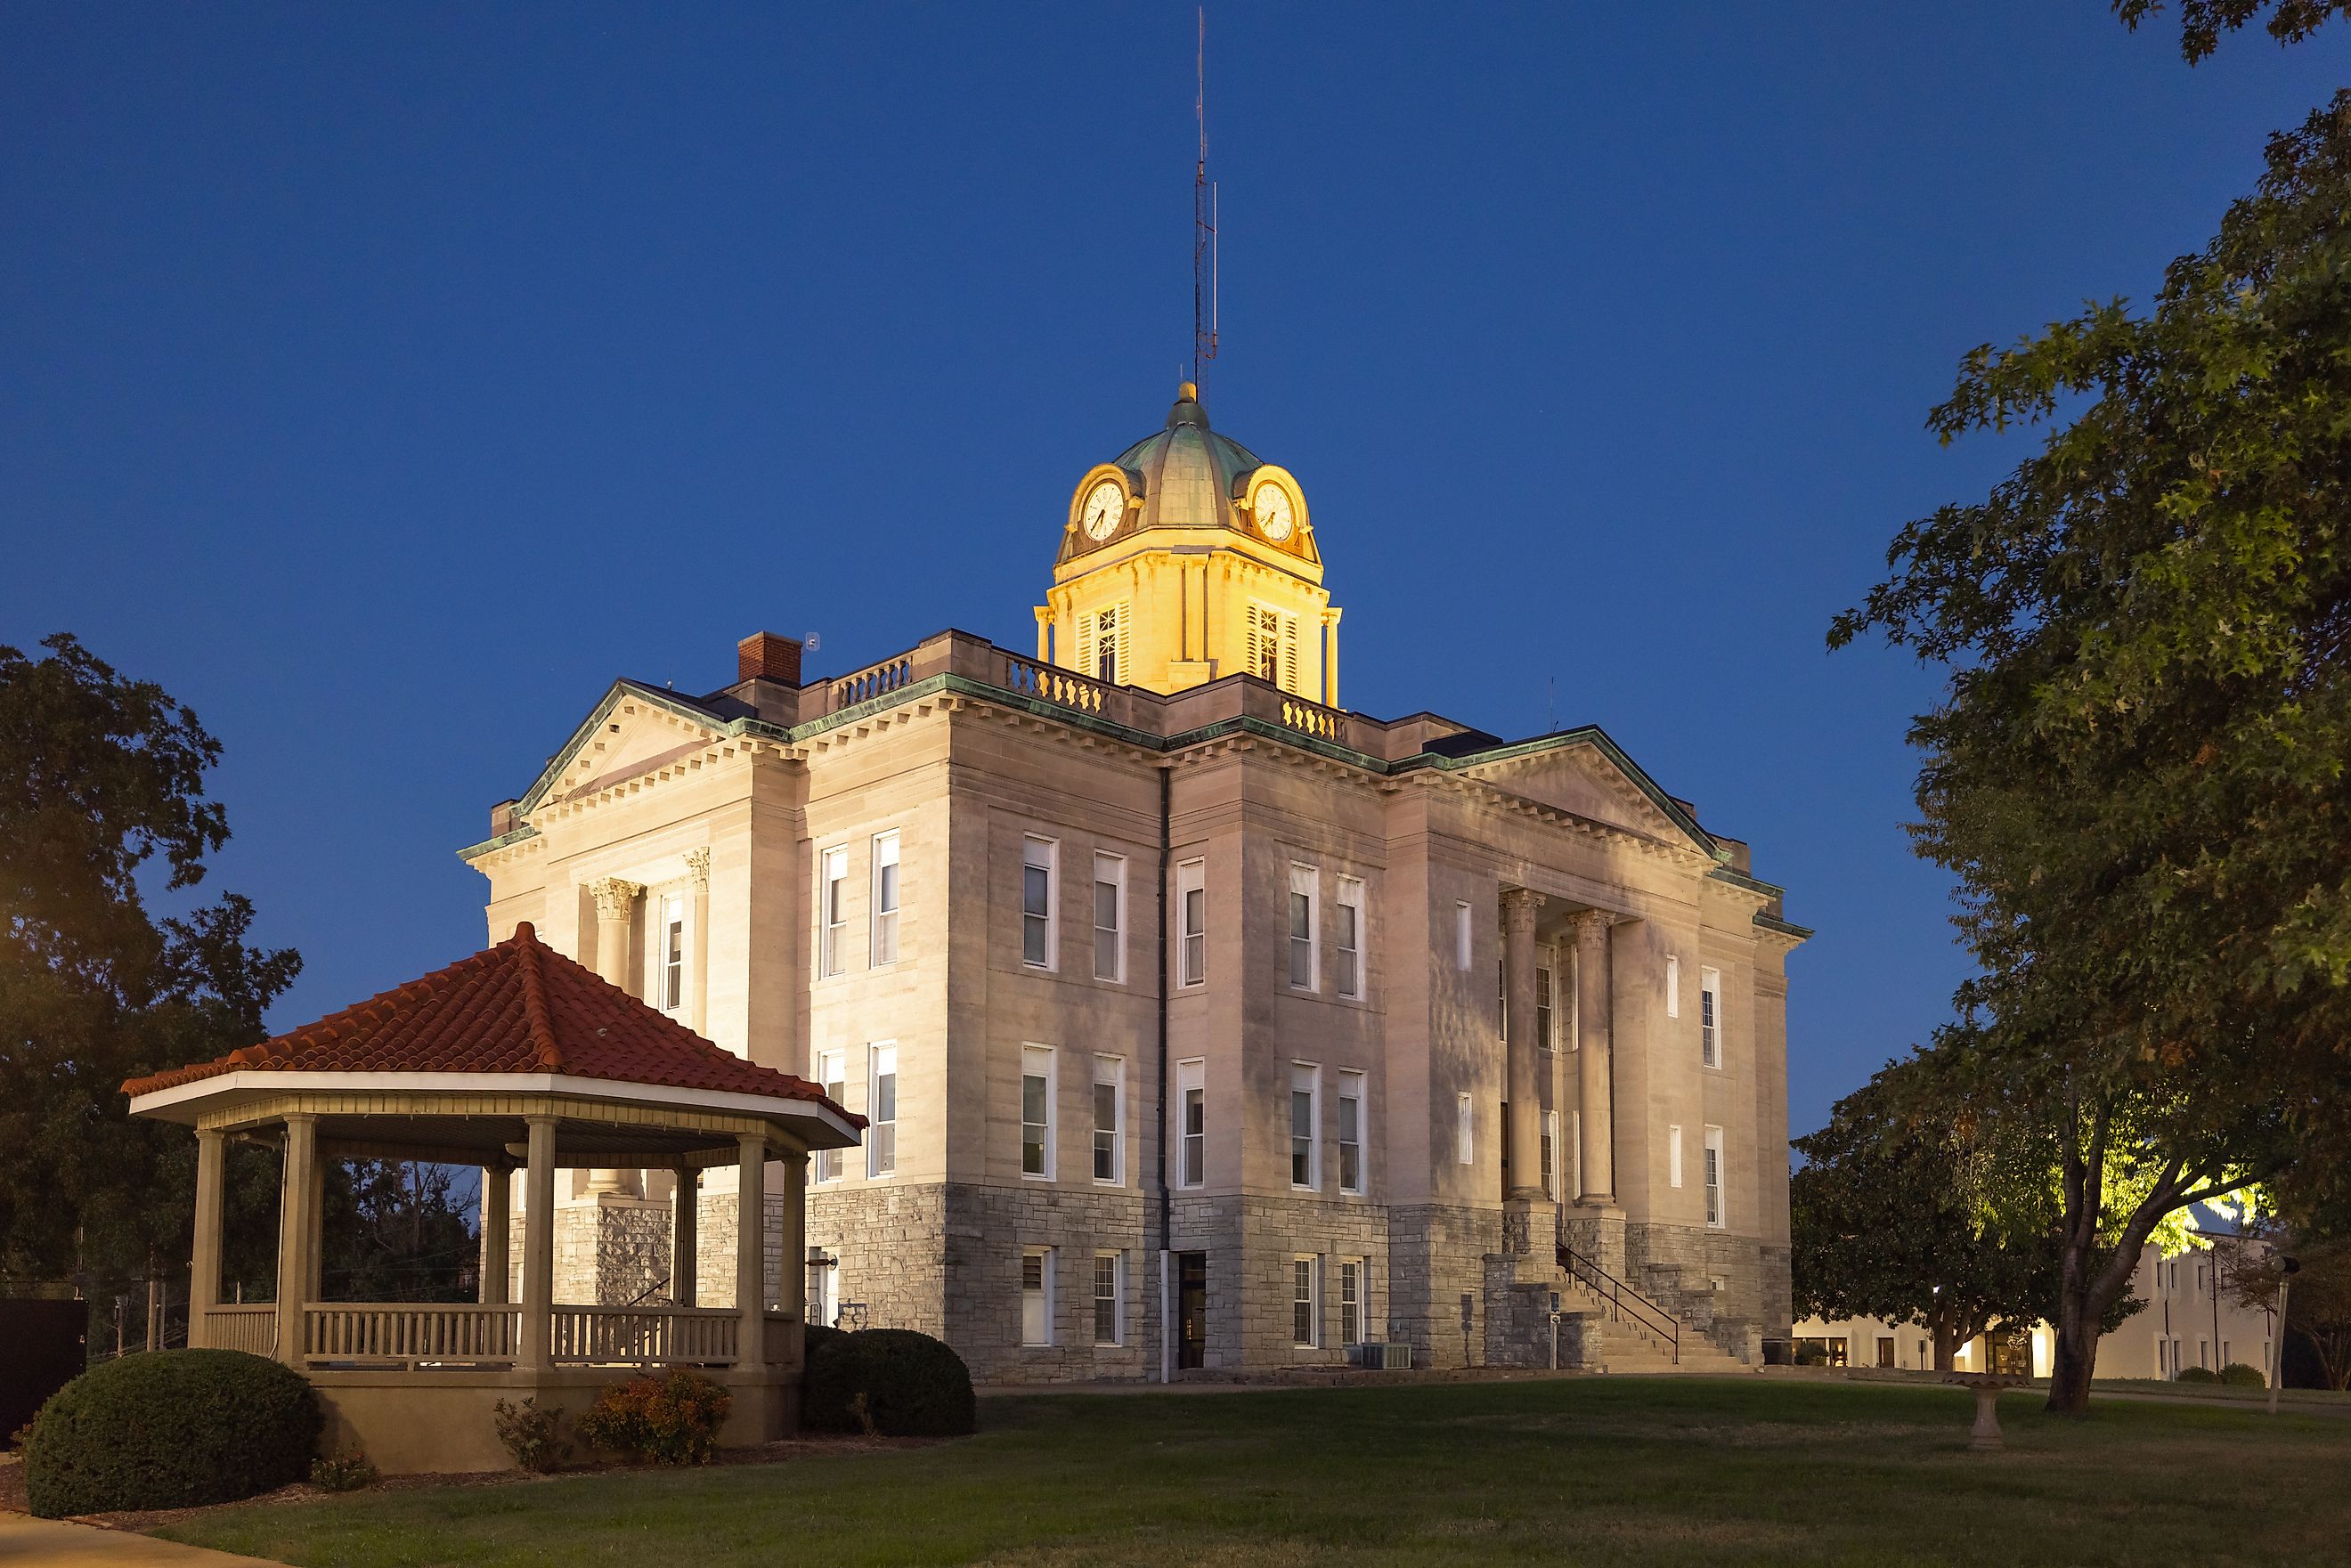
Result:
x=616 y=905
x=1518 y=908
x=1591 y=1008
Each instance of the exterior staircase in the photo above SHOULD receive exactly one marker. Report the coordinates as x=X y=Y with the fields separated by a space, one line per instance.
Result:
x=1640 y=1336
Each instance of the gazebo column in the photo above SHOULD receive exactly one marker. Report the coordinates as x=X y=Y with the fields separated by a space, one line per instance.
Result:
x=792 y=1295
x=750 y=1249
x=203 y=1263
x=686 y=1214
x=314 y=1255
x=537 y=1351
x=498 y=1223
x=298 y=1188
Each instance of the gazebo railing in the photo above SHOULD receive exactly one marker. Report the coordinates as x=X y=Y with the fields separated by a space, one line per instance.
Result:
x=648 y=1336
x=249 y=1327
x=373 y=1331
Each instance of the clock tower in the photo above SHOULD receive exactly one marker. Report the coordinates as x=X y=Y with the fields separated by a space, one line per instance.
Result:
x=1187 y=558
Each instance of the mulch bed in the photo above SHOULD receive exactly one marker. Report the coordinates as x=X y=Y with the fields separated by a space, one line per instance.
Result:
x=13 y=1501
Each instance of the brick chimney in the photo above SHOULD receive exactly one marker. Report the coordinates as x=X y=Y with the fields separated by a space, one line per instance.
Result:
x=764 y=656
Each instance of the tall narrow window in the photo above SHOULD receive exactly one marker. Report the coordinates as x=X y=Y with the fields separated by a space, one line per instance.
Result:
x=1303 y=885
x=1673 y=1157
x=1305 y=1164
x=1709 y=1016
x=881 y=1112
x=1550 y=1152
x=671 y=985
x=1351 y=1301
x=1714 y=1178
x=1347 y=936
x=1305 y=1302
x=1273 y=646
x=885 y=898
x=1037 y=1111
x=1110 y=918
x=1036 y=902
x=1673 y=987
x=1461 y=932
x=1036 y=1295
x=1350 y=1131
x=1194 y=1108
x=1544 y=1039
x=1108 y=1289
x=1192 y=899
x=1464 y=1146
x=1110 y=1154
x=833 y=904
x=832 y=1075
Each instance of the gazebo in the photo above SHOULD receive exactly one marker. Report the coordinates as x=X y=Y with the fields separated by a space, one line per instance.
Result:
x=515 y=1058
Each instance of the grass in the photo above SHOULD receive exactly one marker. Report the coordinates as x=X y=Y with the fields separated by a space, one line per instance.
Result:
x=1653 y=1471
x=2317 y=1396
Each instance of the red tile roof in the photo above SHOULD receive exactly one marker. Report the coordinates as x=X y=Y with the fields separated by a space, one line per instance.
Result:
x=518 y=1006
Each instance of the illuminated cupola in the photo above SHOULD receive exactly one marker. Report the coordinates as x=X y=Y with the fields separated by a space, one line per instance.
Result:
x=1187 y=558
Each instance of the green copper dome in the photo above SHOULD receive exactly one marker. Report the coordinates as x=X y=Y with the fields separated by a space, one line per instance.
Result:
x=1188 y=476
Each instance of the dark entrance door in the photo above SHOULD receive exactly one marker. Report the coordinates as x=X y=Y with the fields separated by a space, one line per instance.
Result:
x=1191 y=1309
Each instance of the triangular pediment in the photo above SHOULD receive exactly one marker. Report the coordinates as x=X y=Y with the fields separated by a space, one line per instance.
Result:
x=1586 y=776
x=633 y=728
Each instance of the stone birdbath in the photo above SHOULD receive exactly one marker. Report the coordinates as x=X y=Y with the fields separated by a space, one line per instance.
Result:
x=1988 y=1386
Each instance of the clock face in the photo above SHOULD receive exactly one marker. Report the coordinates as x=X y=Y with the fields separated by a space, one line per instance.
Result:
x=1274 y=518
x=1105 y=504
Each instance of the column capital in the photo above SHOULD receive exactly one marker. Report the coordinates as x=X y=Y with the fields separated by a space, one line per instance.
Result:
x=1592 y=925
x=697 y=868
x=614 y=895
x=1331 y=614
x=1519 y=908
x=1044 y=614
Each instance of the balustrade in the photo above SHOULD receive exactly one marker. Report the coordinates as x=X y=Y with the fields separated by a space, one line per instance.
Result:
x=251 y=1328
x=1053 y=684
x=408 y=1332
x=647 y=1335
x=878 y=681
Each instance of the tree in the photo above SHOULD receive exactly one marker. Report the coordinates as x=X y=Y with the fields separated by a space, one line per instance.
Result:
x=2138 y=767
x=100 y=775
x=2201 y=21
x=2319 y=1305
x=399 y=1231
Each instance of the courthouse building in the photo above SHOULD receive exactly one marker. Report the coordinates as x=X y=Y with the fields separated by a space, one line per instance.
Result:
x=1199 y=1021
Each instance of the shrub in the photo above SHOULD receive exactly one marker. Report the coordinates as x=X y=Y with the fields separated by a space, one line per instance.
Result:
x=2237 y=1374
x=170 y=1428
x=2197 y=1375
x=910 y=1386
x=534 y=1436
x=671 y=1420
x=344 y=1472
x=1811 y=1355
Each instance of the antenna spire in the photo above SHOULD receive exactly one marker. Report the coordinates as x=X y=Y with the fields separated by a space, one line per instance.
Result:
x=1203 y=228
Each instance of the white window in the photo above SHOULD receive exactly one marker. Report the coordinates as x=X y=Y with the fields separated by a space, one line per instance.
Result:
x=1673 y=1157
x=1464 y=1146
x=1306 y=1301
x=1110 y=1271
x=1037 y=923
x=1103 y=641
x=1193 y=1107
x=1110 y=918
x=1192 y=902
x=885 y=898
x=1546 y=1014
x=1461 y=932
x=1714 y=1178
x=881 y=1111
x=1037 y=1111
x=1110 y=1111
x=1305 y=1125
x=1709 y=1016
x=1347 y=934
x=1273 y=646
x=1303 y=938
x=832 y=1075
x=1551 y=1154
x=1350 y=1131
x=669 y=980
x=1673 y=986
x=824 y=1288
x=833 y=908
x=1354 y=1273
x=1036 y=1295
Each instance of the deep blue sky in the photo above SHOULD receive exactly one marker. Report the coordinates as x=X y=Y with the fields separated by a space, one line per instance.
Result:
x=384 y=380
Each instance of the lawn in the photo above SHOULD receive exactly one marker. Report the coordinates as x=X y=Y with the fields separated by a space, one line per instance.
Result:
x=1595 y=1470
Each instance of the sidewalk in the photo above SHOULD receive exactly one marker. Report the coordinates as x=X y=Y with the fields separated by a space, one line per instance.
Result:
x=55 y=1544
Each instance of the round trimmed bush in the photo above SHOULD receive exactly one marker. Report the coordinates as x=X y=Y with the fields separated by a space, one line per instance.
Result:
x=2197 y=1375
x=171 y=1428
x=912 y=1385
x=2237 y=1374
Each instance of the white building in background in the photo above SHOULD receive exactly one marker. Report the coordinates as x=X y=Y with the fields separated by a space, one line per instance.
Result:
x=2190 y=1321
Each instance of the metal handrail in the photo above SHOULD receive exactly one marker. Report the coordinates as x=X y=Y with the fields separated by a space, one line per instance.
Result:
x=1623 y=1301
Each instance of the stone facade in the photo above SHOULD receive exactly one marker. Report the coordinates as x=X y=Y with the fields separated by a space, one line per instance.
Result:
x=1147 y=925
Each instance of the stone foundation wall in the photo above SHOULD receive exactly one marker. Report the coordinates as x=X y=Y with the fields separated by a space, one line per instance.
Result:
x=713 y=1249
x=1437 y=1256
x=989 y=1231
x=1274 y=1233
x=891 y=1243
x=1679 y=1266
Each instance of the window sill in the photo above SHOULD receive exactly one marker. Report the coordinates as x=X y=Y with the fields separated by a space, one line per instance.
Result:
x=1034 y=1176
x=1109 y=1183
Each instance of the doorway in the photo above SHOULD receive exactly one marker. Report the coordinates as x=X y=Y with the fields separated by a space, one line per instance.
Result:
x=1191 y=1310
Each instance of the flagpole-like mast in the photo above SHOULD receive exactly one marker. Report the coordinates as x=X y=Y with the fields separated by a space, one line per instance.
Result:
x=1204 y=229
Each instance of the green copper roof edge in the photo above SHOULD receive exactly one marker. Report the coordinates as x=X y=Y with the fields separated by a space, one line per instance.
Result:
x=514 y=836
x=1589 y=734
x=1784 y=927
x=604 y=706
x=1752 y=884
